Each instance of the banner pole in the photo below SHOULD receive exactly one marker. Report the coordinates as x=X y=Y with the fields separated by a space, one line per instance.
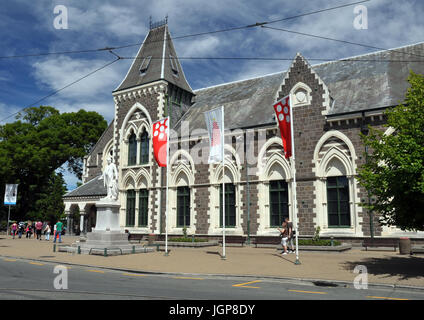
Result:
x=293 y=158
x=8 y=222
x=223 y=184
x=167 y=190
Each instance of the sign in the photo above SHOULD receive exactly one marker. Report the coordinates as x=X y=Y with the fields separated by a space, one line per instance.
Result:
x=10 y=194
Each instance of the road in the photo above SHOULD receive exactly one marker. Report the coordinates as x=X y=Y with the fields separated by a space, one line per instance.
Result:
x=27 y=280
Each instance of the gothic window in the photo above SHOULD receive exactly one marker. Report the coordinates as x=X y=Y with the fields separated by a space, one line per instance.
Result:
x=143 y=212
x=338 y=202
x=132 y=150
x=144 y=148
x=279 y=203
x=130 y=214
x=183 y=207
x=230 y=205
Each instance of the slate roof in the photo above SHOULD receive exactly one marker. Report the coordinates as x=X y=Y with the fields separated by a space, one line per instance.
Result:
x=159 y=46
x=354 y=86
x=92 y=188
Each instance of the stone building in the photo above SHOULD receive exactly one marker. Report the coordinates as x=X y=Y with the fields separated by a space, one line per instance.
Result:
x=332 y=103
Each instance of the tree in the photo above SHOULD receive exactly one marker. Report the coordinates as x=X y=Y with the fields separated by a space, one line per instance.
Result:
x=394 y=172
x=37 y=144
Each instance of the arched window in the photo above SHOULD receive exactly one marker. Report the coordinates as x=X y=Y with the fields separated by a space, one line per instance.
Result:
x=278 y=202
x=338 y=201
x=143 y=210
x=183 y=207
x=130 y=214
x=132 y=150
x=230 y=205
x=144 y=148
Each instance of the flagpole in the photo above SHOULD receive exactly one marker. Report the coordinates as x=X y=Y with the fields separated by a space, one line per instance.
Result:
x=223 y=184
x=293 y=159
x=167 y=191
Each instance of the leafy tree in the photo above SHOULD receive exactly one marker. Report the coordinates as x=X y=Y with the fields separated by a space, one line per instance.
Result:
x=39 y=142
x=394 y=172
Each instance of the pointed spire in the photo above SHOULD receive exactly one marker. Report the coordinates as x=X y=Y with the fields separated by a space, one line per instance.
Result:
x=156 y=60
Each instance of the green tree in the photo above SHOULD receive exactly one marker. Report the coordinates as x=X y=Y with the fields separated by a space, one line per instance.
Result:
x=394 y=172
x=39 y=142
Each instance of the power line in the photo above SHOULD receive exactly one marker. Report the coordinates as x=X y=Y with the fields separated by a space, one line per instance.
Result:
x=57 y=91
x=275 y=59
x=184 y=36
x=342 y=41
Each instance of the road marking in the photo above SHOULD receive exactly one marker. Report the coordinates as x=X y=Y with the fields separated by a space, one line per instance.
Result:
x=98 y=271
x=9 y=260
x=373 y=297
x=189 y=278
x=315 y=292
x=243 y=285
x=134 y=275
x=37 y=263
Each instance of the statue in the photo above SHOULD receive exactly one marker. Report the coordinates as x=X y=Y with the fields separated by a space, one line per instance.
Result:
x=110 y=177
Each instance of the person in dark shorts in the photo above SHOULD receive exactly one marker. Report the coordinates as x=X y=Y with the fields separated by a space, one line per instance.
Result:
x=284 y=236
x=291 y=234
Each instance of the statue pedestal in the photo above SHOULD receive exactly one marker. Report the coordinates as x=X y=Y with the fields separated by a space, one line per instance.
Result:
x=107 y=218
x=107 y=237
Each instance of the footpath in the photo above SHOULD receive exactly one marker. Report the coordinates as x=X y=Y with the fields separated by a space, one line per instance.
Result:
x=385 y=268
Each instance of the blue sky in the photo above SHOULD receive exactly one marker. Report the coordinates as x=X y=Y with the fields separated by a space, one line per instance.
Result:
x=26 y=27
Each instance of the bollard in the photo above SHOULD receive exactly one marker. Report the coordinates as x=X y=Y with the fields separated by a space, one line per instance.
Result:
x=192 y=238
x=105 y=253
x=332 y=241
x=133 y=249
x=79 y=250
x=54 y=247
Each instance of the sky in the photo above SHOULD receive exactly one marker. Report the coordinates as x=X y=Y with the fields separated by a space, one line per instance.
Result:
x=31 y=27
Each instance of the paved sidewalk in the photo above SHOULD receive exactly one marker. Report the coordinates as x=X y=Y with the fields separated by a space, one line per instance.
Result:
x=384 y=267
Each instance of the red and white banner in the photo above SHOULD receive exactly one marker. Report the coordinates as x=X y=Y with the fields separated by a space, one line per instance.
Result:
x=283 y=113
x=215 y=128
x=160 y=141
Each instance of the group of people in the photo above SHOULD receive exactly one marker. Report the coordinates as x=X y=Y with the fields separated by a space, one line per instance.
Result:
x=287 y=234
x=38 y=229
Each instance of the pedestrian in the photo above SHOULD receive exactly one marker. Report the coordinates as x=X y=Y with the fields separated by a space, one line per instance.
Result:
x=292 y=234
x=28 y=231
x=14 y=229
x=47 y=231
x=21 y=228
x=59 y=228
x=38 y=228
x=284 y=236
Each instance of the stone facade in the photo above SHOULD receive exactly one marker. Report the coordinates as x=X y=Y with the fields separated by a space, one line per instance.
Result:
x=327 y=145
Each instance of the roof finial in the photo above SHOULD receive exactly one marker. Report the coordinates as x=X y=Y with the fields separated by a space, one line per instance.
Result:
x=154 y=25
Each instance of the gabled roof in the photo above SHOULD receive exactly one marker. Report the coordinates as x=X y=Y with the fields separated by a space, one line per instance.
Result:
x=354 y=86
x=158 y=54
x=92 y=188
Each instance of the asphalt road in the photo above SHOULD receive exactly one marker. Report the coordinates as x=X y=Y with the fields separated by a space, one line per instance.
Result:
x=28 y=280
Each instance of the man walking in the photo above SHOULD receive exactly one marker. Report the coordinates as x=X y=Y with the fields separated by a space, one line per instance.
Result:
x=284 y=233
x=59 y=228
x=291 y=234
x=38 y=228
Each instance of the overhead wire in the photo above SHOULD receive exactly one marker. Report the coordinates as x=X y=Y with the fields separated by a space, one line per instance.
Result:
x=108 y=48
x=58 y=90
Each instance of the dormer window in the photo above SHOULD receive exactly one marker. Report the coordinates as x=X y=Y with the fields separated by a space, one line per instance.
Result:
x=174 y=65
x=145 y=65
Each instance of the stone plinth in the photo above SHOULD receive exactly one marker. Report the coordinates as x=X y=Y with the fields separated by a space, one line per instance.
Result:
x=107 y=237
x=107 y=218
